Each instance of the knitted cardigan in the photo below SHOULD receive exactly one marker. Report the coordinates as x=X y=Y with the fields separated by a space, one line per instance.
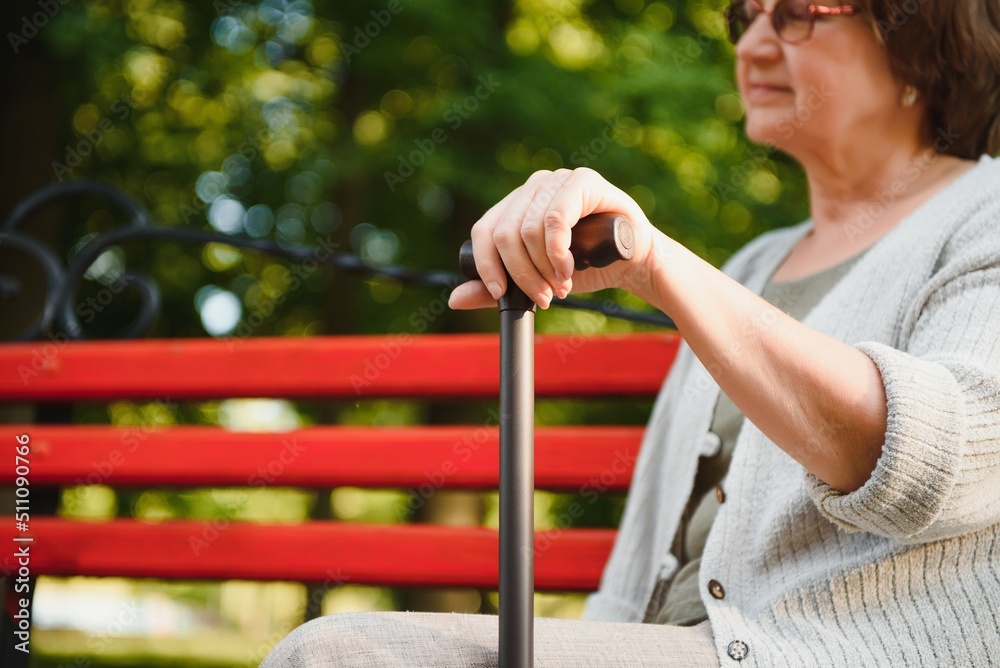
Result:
x=903 y=571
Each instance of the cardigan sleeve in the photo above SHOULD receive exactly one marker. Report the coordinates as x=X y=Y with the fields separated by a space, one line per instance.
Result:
x=937 y=474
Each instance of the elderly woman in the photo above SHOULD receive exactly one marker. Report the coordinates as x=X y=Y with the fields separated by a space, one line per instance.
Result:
x=820 y=479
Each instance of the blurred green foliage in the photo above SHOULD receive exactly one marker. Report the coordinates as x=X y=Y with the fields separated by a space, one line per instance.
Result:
x=387 y=128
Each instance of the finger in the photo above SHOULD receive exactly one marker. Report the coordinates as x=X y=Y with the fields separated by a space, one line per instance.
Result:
x=520 y=242
x=470 y=295
x=517 y=261
x=534 y=231
x=557 y=220
x=489 y=265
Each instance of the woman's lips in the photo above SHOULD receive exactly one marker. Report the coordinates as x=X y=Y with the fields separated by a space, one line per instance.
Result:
x=762 y=92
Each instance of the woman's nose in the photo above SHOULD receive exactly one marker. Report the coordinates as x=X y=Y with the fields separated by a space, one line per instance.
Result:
x=759 y=41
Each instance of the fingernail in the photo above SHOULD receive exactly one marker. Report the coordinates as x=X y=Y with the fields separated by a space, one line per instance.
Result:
x=494 y=289
x=543 y=300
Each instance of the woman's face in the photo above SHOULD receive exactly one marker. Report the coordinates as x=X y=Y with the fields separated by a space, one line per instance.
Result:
x=827 y=94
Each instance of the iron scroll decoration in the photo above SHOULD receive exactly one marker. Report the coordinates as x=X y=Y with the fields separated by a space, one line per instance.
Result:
x=62 y=283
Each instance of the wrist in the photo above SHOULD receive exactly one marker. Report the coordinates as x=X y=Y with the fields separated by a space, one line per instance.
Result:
x=651 y=278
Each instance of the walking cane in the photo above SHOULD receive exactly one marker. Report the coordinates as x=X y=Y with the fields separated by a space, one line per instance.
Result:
x=598 y=240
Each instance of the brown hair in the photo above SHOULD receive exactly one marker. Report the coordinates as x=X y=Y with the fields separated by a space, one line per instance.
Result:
x=949 y=50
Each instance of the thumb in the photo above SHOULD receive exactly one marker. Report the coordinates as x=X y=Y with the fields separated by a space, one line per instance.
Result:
x=471 y=295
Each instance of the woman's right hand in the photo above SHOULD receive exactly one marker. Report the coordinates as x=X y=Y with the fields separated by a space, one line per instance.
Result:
x=528 y=232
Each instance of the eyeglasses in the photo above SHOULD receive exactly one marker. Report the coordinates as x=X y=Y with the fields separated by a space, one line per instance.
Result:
x=793 y=20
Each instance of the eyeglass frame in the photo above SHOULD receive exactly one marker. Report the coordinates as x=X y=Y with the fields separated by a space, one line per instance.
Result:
x=814 y=12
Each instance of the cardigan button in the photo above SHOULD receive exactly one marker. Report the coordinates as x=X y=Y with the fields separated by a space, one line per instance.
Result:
x=711 y=445
x=720 y=495
x=716 y=589
x=738 y=650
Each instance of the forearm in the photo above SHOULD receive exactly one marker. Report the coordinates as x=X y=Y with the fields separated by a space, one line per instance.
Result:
x=820 y=400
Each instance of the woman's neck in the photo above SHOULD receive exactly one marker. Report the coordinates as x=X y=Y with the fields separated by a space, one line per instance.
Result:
x=856 y=204
x=852 y=208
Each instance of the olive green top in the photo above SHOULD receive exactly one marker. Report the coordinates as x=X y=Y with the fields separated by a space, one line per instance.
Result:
x=681 y=602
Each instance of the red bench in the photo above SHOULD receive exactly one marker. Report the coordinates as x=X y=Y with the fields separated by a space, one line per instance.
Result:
x=419 y=458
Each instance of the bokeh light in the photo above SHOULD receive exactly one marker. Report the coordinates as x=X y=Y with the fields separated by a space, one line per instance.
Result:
x=220 y=310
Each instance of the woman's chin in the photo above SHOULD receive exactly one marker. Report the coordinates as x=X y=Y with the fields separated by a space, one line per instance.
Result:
x=770 y=129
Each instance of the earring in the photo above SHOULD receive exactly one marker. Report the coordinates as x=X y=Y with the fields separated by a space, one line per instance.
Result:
x=909 y=96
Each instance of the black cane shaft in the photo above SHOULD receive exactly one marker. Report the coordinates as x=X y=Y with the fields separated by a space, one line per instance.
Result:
x=517 y=473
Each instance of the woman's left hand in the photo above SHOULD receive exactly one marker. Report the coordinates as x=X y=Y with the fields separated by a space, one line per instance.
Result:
x=528 y=232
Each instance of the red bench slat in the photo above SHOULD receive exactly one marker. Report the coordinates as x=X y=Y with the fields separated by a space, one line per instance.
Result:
x=465 y=365
x=401 y=555
x=453 y=456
